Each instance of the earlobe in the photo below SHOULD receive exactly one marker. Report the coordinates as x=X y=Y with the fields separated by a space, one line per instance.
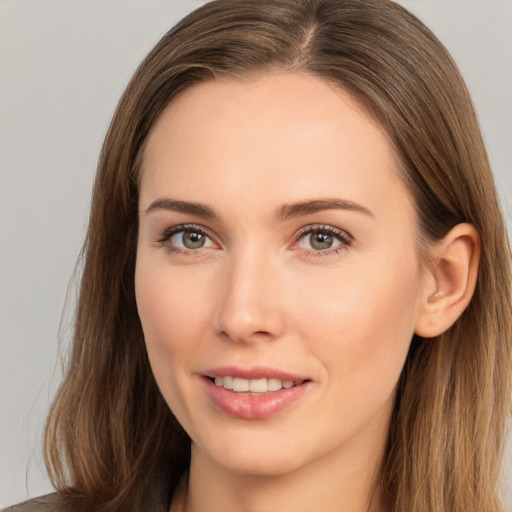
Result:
x=450 y=280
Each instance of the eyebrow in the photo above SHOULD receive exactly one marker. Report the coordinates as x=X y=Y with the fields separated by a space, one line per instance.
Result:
x=284 y=212
x=198 y=209
x=290 y=210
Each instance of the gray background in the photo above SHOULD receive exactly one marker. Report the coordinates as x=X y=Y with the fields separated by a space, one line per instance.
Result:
x=63 y=65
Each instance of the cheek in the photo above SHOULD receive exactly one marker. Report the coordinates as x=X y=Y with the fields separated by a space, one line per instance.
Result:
x=169 y=309
x=172 y=312
x=361 y=322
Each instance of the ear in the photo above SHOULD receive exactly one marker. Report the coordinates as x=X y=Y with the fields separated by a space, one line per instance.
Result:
x=450 y=280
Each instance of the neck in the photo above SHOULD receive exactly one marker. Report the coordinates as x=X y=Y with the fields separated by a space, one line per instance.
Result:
x=341 y=482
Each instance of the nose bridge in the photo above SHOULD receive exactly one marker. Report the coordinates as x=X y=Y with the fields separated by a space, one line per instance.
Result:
x=249 y=300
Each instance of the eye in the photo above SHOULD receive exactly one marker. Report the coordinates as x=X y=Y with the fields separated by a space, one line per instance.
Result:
x=320 y=241
x=323 y=239
x=186 y=238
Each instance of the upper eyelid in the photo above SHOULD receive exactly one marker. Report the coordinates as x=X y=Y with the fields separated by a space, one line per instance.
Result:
x=344 y=237
x=166 y=236
x=341 y=233
x=170 y=231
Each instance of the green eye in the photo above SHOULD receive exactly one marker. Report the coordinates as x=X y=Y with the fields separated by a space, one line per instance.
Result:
x=321 y=241
x=188 y=239
x=191 y=239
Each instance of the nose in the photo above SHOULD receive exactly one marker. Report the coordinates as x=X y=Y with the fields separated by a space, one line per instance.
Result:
x=250 y=300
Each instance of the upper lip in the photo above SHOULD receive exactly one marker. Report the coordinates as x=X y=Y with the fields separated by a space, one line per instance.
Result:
x=255 y=372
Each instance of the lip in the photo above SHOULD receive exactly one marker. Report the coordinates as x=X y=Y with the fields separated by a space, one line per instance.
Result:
x=256 y=372
x=253 y=406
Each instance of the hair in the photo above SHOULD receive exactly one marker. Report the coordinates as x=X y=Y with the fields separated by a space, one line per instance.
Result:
x=109 y=432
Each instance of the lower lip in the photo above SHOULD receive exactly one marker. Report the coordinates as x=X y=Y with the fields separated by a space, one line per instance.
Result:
x=253 y=406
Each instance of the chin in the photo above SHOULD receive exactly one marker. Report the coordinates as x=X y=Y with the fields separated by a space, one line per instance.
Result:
x=252 y=458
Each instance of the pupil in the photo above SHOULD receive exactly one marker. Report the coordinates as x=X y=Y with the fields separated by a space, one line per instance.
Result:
x=321 y=241
x=193 y=240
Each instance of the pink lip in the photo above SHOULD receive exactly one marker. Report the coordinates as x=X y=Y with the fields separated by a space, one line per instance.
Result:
x=256 y=372
x=253 y=406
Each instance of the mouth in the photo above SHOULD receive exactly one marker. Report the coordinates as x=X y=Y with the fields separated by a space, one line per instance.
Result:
x=254 y=386
x=253 y=394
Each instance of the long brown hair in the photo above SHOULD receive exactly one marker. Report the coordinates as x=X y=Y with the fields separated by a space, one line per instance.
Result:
x=109 y=432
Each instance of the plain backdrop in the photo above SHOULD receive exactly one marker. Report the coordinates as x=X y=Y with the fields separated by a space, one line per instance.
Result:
x=63 y=65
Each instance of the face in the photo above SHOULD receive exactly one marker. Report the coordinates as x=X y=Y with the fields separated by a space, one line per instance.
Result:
x=277 y=275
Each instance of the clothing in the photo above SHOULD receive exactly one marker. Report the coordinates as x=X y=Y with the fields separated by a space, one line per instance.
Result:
x=51 y=503
x=157 y=498
x=48 y=503
x=159 y=501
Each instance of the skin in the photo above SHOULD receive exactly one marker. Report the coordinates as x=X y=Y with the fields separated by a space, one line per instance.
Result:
x=258 y=293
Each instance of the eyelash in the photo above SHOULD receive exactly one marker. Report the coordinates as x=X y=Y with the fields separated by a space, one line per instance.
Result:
x=338 y=234
x=183 y=228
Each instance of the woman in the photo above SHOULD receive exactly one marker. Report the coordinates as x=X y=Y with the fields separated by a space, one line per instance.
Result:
x=296 y=284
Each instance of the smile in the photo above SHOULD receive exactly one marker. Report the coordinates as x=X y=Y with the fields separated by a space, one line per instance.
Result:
x=263 y=385
x=253 y=394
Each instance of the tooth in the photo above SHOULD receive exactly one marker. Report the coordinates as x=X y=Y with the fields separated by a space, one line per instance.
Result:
x=228 y=383
x=240 y=385
x=258 y=386
x=253 y=386
x=274 y=384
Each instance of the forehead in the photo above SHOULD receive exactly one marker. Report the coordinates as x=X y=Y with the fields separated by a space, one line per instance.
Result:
x=290 y=133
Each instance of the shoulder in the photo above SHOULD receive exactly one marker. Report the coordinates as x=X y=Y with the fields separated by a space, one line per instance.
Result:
x=48 y=503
